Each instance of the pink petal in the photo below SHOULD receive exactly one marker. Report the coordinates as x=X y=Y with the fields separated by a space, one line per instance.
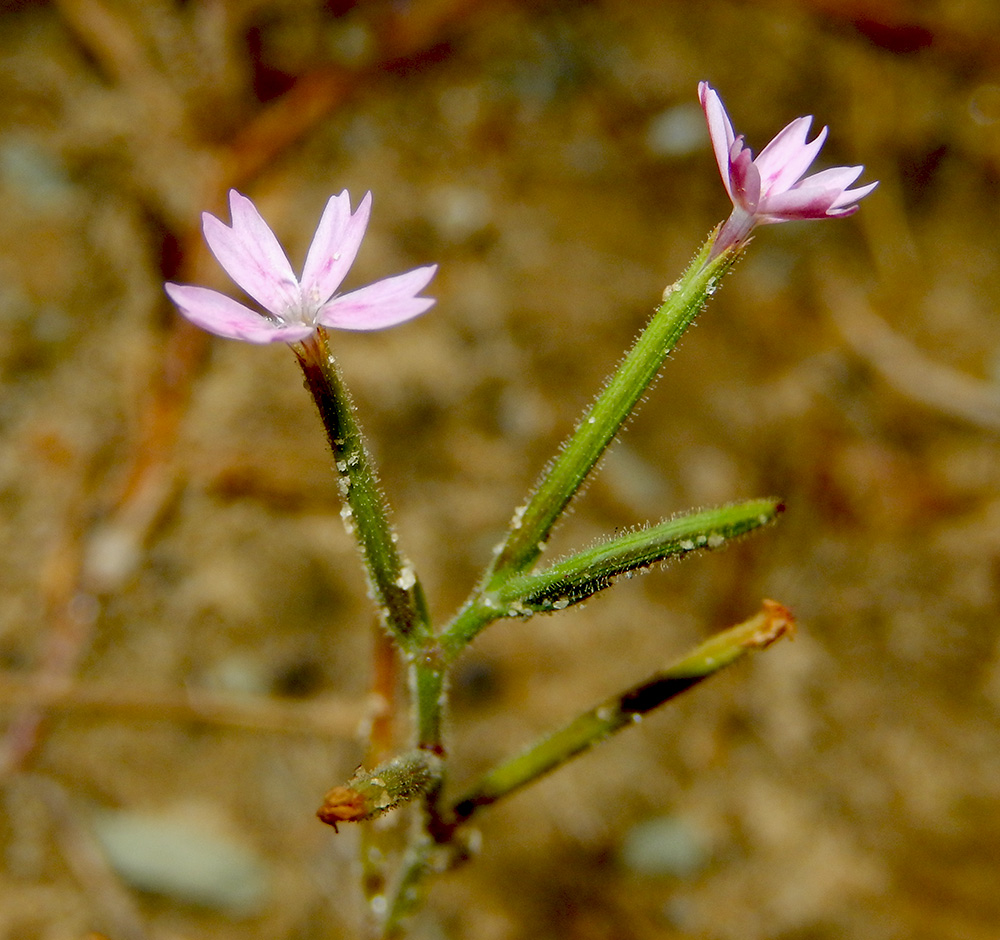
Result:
x=252 y=256
x=836 y=212
x=819 y=195
x=334 y=246
x=852 y=195
x=226 y=317
x=720 y=129
x=783 y=161
x=837 y=177
x=811 y=203
x=745 y=186
x=840 y=177
x=385 y=303
x=771 y=188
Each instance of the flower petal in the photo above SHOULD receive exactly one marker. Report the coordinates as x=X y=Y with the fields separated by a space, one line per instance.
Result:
x=745 y=180
x=252 y=256
x=836 y=177
x=840 y=177
x=818 y=196
x=771 y=188
x=334 y=246
x=807 y=203
x=783 y=161
x=226 y=317
x=385 y=303
x=720 y=129
x=835 y=212
x=852 y=196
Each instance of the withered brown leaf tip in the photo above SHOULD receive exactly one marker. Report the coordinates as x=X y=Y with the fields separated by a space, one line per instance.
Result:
x=342 y=804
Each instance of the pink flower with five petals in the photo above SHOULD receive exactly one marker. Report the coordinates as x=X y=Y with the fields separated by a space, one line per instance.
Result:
x=294 y=307
x=771 y=188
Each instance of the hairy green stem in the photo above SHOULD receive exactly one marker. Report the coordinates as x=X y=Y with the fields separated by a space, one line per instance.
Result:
x=682 y=302
x=392 y=580
x=411 y=887
x=403 y=611
x=428 y=676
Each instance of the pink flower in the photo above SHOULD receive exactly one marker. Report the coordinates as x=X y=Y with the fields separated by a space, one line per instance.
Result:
x=771 y=188
x=294 y=307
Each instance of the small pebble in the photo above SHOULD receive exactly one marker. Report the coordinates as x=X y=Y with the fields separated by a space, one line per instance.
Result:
x=178 y=855
x=677 y=132
x=665 y=846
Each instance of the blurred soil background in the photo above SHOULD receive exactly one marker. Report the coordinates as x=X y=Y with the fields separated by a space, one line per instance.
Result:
x=184 y=635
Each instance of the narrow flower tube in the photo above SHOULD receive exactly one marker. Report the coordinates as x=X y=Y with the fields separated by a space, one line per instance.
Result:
x=294 y=307
x=771 y=188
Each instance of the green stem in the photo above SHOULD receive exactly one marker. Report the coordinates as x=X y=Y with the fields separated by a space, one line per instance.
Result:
x=377 y=842
x=403 y=611
x=618 y=711
x=393 y=583
x=411 y=888
x=682 y=302
x=427 y=678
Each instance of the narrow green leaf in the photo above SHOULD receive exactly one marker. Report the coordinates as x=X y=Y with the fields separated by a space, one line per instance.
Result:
x=615 y=713
x=584 y=574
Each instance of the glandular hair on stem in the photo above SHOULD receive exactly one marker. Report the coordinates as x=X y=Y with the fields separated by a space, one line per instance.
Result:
x=406 y=578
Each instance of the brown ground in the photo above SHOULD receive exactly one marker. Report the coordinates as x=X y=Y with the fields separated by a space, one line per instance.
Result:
x=169 y=518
